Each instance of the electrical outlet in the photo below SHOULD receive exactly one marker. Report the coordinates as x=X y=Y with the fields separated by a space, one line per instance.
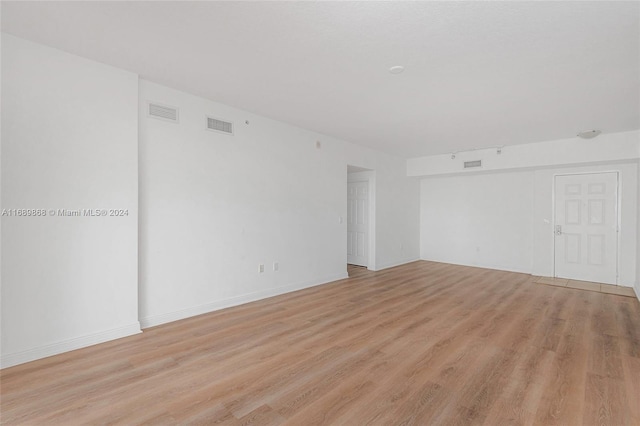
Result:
x=276 y=266
x=261 y=268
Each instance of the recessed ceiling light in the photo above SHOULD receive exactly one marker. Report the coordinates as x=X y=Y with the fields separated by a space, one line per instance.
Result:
x=398 y=69
x=589 y=134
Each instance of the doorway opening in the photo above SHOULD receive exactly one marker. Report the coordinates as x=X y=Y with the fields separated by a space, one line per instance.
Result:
x=361 y=217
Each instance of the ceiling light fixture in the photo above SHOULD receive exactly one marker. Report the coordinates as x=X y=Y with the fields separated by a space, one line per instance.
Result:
x=589 y=134
x=398 y=69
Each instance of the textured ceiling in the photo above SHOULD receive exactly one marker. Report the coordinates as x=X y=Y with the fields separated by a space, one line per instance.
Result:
x=477 y=73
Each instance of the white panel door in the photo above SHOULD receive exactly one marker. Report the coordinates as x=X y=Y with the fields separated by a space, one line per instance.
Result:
x=586 y=227
x=358 y=223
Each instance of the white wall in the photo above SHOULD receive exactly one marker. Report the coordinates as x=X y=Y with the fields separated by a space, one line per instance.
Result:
x=606 y=148
x=638 y=229
x=397 y=202
x=482 y=220
x=69 y=141
x=502 y=217
x=397 y=213
x=213 y=207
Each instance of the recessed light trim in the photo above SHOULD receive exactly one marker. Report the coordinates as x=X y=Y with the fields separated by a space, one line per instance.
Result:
x=397 y=69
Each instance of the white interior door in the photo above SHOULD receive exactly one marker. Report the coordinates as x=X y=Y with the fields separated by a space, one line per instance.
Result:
x=358 y=223
x=586 y=227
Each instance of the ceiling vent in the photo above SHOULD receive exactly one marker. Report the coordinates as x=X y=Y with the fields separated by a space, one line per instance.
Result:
x=218 y=125
x=471 y=164
x=163 y=112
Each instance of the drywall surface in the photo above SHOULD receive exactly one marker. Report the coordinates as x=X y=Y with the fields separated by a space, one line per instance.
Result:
x=504 y=220
x=213 y=207
x=606 y=148
x=638 y=229
x=504 y=210
x=69 y=142
x=481 y=220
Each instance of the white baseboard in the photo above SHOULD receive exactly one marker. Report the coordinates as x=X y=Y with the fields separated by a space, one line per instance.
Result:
x=154 y=320
x=10 y=360
x=394 y=264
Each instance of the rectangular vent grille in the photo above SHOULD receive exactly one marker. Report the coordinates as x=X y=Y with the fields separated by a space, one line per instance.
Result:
x=219 y=125
x=469 y=164
x=163 y=112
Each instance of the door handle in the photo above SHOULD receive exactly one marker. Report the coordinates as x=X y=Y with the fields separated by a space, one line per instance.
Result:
x=558 y=229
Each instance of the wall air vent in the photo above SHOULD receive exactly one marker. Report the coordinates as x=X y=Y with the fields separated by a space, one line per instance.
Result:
x=163 y=112
x=471 y=164
x=218 y=125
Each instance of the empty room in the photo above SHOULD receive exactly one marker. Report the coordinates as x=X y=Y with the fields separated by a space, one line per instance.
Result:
x=331 y=213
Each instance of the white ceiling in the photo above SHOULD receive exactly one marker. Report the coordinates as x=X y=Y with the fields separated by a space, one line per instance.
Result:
x=477 y=74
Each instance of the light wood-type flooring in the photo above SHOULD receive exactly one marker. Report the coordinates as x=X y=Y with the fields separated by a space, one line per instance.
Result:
x=425 y=343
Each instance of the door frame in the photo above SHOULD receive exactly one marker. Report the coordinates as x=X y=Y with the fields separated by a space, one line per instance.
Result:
x=369 y=176
x=618 y=216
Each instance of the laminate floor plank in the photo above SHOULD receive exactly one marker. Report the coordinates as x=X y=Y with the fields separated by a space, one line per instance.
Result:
x=605 y=401
x=562 y=404
x=422 y=343
x=631 y=378
x=523 y=391
x=627 y=311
